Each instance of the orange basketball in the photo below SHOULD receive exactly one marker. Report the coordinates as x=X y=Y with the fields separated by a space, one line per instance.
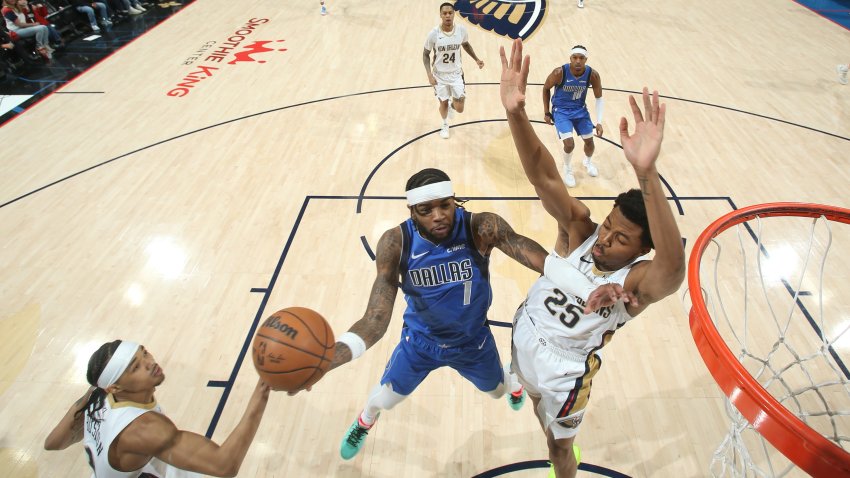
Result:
x=293 y=349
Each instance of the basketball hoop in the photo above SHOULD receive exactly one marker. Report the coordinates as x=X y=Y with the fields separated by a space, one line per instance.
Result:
x=796 y=392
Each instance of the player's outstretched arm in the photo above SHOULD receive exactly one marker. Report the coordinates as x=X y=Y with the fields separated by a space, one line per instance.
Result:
x=491 y=231
x=154 y=434
x=69 y=430
x=665 y=273
x=379 y=311
x=537 y=161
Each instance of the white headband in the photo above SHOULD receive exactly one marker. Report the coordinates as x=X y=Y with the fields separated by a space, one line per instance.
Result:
x=117 y=364
x=429 y=192
x=578 y=51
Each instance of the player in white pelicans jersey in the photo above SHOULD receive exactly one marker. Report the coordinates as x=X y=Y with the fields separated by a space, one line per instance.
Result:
x=126 y=435
x=445 y=69
x=555 y=339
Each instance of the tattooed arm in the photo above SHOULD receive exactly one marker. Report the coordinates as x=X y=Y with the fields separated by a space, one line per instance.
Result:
x=379 y=311
x=490 y=231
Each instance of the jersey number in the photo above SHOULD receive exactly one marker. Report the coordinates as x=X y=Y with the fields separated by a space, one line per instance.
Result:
x=568 y=318
x=577 y=94
x=448 y=57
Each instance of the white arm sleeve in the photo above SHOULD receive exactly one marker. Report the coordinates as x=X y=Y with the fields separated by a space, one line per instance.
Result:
x=564 y=275
x=599 y=107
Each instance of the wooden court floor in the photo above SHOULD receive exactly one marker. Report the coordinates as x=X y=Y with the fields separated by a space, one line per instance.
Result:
x=178 y=216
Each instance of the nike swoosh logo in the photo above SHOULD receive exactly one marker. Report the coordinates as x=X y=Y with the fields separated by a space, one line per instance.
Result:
x=482 y=343
x=585 y=260
x=417 y=256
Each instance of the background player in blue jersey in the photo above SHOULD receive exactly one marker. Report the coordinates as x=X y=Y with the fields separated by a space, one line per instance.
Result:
x=441 y=257
x=569 y=110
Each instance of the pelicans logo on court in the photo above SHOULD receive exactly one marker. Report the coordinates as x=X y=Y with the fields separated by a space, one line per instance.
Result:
x=508 y=18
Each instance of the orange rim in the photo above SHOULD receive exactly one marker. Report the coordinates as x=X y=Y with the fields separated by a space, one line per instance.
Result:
x=807 y=448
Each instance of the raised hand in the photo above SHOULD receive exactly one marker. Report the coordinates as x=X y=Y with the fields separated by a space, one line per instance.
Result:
x=514 y=78
x=608 y=295
x=642 y=147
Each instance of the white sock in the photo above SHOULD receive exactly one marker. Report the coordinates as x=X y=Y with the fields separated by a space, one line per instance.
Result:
x=511 y=379
x=382 y=397
x=567 y=158
x=445 y=121
x=587 y=159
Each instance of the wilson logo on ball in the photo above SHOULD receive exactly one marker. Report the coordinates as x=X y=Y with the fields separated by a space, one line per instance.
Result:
x=275 y=323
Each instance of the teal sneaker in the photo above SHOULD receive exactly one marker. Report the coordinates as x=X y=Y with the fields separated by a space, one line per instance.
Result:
x=354 y=439
x=517 y=399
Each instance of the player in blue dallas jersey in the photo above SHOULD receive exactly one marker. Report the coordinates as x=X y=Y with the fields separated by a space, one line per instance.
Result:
x=440 y=256
x=569 y=110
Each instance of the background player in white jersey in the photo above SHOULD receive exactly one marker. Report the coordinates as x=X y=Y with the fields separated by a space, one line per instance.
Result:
x=126 y=435
x=555 y=341
x=569 y=110
x=445 y=72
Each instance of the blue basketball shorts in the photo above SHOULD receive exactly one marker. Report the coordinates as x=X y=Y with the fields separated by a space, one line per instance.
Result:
x=565 y=122
x=416 y=356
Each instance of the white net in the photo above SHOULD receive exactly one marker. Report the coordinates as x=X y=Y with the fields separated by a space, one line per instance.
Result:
x=776 y=289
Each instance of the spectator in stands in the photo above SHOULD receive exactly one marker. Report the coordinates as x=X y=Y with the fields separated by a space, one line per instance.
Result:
x=37 y=13
x=133 y=7
x=19 y=27
x=88 y=8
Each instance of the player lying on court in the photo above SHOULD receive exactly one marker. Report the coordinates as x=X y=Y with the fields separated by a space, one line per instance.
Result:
x=126 y=434
x=555 y=340
x=439 y=257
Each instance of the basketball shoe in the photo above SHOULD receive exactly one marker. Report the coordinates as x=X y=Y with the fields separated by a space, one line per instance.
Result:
x=576 y=451
x=324 y=10
x=444 y=131
x=842 y=73
x=569 y=179
x=517 y=399
x=353 y=441
x=581 y=3
x=591 y=168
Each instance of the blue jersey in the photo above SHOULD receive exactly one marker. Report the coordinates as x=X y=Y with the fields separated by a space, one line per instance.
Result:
x=571 y=93
x=446 y=285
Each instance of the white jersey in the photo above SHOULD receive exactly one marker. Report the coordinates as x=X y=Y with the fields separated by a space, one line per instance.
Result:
x=558 y=316
x=98 y=437
x=447 y=47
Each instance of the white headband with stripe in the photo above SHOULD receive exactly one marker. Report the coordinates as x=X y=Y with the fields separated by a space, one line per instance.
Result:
x=578 y=51
x=117 y=364
x=429 y=192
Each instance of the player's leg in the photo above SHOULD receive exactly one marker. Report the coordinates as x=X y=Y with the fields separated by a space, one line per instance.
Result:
x=443 y=93
x=479 y=363
x=564 y=130
x=407 y=367
x=584 y=127
x=562 y=455
x=458 y=90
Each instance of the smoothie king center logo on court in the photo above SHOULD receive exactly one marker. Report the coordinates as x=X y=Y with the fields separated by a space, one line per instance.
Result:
x=214 y=57
x=508 y=18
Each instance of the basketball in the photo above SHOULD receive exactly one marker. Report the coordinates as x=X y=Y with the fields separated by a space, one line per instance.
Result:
x=293 y=349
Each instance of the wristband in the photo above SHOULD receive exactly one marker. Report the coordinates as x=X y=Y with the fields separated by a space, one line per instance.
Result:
x=354 y=343
x=547 y=114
